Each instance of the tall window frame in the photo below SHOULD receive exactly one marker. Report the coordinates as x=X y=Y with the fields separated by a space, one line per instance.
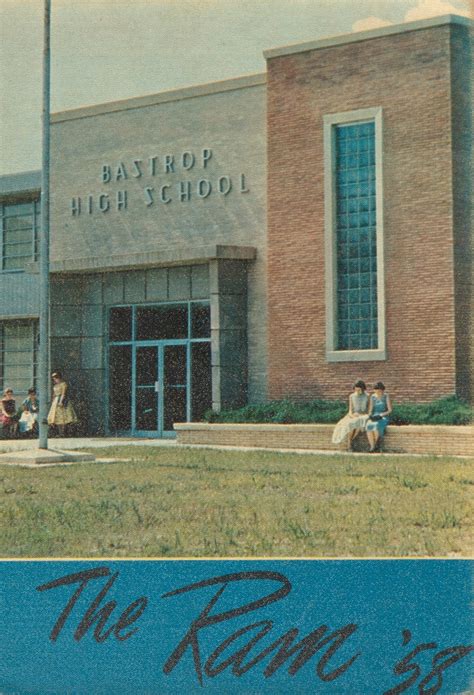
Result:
x=19 y=342
x=18 y=235
x=334 y=353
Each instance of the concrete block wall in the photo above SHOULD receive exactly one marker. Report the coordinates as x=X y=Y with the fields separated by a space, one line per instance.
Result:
x=228 y=287
x=19 y=295
x=79 y=306
x=408 y=74
x=79 y=329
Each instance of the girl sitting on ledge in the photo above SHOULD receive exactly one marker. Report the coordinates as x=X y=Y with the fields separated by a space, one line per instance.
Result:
x=8 y=418
x=380 y=408
x=355 y=420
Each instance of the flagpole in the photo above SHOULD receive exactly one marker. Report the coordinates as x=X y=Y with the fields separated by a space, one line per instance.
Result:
x=43 y=353
x=43 y=454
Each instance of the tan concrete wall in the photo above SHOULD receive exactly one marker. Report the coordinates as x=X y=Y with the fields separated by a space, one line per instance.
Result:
x=230 y=123
x=415 y=439
x=227 y=118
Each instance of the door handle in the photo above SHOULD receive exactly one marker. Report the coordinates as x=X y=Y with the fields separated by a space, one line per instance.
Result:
x=157 y=386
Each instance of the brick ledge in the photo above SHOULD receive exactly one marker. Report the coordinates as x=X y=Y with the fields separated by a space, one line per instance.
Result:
x=416 y=439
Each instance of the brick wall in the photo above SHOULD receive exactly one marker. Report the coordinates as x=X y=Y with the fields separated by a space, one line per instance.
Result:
x=462 y=95
x=408 y=75
x=414 y=439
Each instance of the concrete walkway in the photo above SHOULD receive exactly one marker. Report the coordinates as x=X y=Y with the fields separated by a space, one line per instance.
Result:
x=72 y=443
x=66 y=451
x=88 y=443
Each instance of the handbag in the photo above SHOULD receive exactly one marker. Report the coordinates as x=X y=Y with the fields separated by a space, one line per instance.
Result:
x=375 y=418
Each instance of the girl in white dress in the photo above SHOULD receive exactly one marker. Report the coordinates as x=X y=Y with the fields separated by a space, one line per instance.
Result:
x=356 y=419
x=61 y=414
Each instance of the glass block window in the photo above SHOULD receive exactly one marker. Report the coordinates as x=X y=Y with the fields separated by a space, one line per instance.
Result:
x=355 y=228
x=19 y=225
x=18 y=355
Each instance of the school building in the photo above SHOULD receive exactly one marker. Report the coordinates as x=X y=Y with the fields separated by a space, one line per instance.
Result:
x=271 y=236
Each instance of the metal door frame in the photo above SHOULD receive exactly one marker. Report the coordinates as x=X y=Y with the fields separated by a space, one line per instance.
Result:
x=133 y=344
x=160 y=432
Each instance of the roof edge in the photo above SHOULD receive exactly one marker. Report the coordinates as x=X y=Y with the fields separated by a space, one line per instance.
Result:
x=355 y=37
x=190 y=92
x=20 y=182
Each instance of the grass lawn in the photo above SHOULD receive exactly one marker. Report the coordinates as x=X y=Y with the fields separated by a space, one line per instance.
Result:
x=167 y=502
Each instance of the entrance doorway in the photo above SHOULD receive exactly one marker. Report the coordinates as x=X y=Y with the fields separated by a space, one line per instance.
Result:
x=159 y=367
x=161 y=386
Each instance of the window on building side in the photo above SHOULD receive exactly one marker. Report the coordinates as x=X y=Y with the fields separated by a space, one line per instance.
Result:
x=18 y=355
x=354 y=241
x=356 y=237
x=19 y=225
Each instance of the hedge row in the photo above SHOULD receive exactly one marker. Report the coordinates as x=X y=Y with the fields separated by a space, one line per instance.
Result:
x=445 y=411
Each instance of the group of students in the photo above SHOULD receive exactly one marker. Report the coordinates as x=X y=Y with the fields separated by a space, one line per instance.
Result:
x=25 y=419
x=370 y=414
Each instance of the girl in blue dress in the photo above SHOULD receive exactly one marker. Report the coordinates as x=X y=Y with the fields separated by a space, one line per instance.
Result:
x=380 y=408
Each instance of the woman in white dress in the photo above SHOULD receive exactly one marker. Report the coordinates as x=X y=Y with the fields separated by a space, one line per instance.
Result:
x=61 y=414
x=356 y=419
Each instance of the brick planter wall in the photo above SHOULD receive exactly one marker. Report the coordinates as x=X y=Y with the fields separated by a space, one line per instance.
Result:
x=413 y=439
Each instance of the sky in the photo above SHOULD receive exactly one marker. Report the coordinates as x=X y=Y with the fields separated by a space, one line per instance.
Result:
x=105 y=50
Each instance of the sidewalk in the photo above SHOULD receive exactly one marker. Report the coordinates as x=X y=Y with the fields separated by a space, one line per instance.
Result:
x=72 y=443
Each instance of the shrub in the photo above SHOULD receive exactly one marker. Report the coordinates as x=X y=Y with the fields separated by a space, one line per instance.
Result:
x=285 y=411
x=445 y=411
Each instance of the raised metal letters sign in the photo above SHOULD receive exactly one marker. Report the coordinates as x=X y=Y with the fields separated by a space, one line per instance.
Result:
x=162 y=187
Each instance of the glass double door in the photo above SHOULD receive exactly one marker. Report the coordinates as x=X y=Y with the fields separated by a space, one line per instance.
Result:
x=159 y=367
x=159 y=387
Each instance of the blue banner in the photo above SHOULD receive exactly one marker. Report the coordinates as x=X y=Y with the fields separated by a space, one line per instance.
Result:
x=237 y=626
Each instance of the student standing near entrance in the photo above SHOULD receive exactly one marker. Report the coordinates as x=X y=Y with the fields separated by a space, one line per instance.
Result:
x=380 y=408
x=61 y=413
